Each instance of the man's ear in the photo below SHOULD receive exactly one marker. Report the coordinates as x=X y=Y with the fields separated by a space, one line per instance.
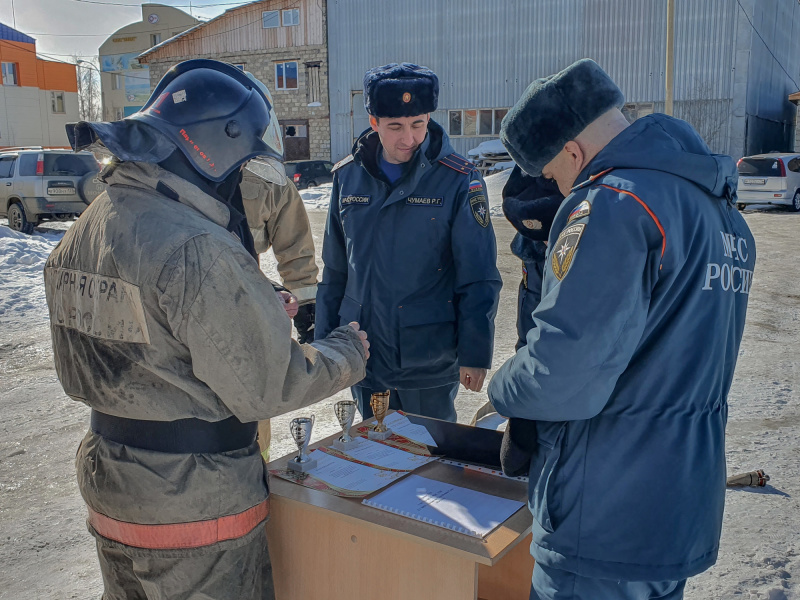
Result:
x=373 y=122
x=575 y=156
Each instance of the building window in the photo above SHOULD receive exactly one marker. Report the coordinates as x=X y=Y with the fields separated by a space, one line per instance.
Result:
x=239 y=66
x=116 y=81
x=313 y=84
x=499 y=114
x=291 y=17
x=485 y=122
x=155 y=38
x=57 y=102
x=10 y=74
x=286 y=75
x=270 y=19
x=455 y=122
x=476 y=122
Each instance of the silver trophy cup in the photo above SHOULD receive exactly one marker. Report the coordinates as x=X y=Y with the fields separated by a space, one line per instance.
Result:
x=345 y=413
x=300 y=429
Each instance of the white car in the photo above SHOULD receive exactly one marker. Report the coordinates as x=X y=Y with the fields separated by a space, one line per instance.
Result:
x=770 y=179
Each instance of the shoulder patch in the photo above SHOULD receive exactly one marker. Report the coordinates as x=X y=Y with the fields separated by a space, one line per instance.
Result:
x=480 y=209
x=564 y=249
x=343 y=162
x=458 y=163
x=582 y=210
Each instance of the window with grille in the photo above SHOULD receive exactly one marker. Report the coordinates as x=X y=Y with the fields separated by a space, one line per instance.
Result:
x=475 y=122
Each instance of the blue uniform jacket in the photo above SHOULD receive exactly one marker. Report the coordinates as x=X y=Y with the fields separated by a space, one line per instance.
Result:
x=628 y=369
x=414 y=263
x=532 y=254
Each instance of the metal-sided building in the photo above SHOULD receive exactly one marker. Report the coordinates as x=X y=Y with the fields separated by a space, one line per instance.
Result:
x=736 y=61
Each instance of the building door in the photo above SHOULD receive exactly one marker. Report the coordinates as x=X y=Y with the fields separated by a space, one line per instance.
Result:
x=360 y=118
x=295 y=140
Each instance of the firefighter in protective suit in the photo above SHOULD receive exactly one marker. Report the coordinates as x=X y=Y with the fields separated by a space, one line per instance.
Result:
x=277 y=219
x=164 y=325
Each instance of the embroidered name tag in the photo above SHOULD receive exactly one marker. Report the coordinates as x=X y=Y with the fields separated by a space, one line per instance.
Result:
x=417 y=201
x=103 y=307
x=355 y=200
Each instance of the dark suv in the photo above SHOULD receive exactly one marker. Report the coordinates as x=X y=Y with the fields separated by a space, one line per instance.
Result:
x=309 y=173
x=43 y=185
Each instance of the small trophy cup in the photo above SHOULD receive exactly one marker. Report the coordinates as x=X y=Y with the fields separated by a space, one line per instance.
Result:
x=345 y=413
x=300 y=429
x=380 y=406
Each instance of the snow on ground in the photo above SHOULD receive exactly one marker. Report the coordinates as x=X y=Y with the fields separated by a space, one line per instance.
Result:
x=317 y=198
x=22 y=259
x=46 y=551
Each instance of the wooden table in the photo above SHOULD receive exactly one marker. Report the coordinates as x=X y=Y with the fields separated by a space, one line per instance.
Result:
x=325 y=547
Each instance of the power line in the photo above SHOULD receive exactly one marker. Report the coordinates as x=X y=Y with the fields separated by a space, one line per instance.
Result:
x=746 y=16
x=172 y=5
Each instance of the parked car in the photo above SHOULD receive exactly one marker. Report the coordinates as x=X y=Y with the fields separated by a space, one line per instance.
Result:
x=38 y=185
x=309 y=173
x=772 y=178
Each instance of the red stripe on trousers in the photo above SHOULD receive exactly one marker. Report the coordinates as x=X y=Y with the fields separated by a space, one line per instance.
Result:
x=179 y=535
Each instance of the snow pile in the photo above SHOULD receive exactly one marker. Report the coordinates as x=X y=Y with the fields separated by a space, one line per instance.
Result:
x=317 y=198
x=22 y=259
x=487 y=148
x=491 y=157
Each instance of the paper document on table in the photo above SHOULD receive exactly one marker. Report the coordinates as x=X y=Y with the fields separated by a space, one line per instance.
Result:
x=445 y=505
x=400 y=425
x=348 y=475
x=387 y=457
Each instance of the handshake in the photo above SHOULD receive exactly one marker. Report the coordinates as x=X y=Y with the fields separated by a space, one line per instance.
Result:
x=289 y=302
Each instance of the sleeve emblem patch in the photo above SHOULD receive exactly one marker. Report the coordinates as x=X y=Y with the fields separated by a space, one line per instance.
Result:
x=582 y=210
x=564 y=249
x=480 y=209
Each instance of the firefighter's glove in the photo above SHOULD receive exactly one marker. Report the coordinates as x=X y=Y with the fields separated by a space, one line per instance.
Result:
x=304 y=322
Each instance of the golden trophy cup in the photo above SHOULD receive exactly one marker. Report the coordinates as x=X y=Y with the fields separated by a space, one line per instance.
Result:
x=380 y=406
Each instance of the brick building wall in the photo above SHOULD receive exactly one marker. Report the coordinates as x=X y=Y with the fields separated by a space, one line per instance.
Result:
x=289 y=104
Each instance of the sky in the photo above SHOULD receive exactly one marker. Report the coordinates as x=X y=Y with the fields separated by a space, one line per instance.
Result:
x=64 y=28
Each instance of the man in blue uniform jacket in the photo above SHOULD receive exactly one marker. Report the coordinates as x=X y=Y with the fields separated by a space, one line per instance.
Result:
x=410 y=249
x=628 y=369
x=530 y=205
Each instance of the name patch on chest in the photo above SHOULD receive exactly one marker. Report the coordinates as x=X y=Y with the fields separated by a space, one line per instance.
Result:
x=102 y=307
x=355 y=200
x=419 y=201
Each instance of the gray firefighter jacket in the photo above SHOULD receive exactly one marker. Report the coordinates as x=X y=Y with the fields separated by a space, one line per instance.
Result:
x=159 y=313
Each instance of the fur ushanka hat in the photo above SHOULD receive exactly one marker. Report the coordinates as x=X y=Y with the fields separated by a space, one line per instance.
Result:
x=400 y=90
x=554 y=110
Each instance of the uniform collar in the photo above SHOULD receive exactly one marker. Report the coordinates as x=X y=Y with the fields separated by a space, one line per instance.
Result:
x=151 y=177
